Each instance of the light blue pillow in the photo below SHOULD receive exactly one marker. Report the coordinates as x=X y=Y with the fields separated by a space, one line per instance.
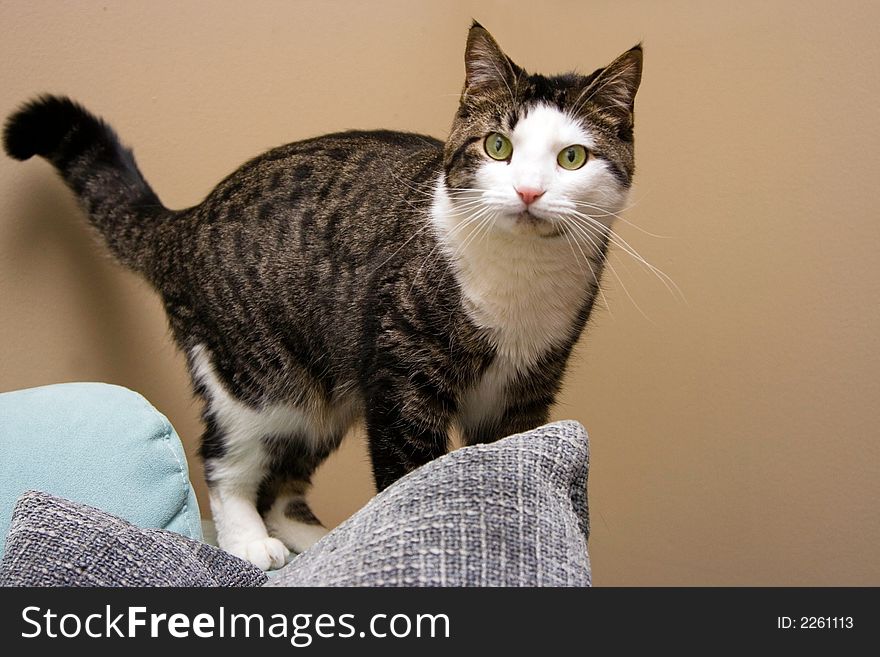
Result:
x=98 y=444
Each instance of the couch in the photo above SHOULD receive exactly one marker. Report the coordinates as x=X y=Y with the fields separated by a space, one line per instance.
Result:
x=95 y=491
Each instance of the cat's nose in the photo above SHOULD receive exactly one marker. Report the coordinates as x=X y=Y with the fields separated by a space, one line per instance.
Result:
x=529 y=195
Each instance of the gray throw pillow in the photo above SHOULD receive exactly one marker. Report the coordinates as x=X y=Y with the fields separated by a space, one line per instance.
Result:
x=56 y=542
x=511 y=513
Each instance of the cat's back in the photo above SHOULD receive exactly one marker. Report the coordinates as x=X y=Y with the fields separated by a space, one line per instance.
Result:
x=360 y=166
x=328 y=198
x=314 y=215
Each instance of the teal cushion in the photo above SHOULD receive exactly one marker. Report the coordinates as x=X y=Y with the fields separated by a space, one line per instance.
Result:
x=97 y=444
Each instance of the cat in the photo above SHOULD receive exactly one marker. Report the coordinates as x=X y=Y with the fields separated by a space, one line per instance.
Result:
x=379 y=277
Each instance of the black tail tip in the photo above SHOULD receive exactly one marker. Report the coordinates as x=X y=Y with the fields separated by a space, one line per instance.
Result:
x=40 y=125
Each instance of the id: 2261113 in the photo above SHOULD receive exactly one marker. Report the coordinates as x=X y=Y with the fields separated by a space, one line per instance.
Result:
x=815 y=623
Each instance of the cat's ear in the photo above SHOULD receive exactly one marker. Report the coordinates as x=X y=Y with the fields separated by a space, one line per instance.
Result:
x=487 y=68
x=614 y=89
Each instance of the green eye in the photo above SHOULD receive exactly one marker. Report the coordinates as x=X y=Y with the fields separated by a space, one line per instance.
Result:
x=572 y=157
x=498 y=147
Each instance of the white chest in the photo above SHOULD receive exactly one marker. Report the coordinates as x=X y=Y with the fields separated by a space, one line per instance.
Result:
x=525 y=291
x=527 y=309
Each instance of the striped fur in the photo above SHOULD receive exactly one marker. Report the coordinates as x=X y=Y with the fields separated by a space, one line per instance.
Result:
x=331 y=281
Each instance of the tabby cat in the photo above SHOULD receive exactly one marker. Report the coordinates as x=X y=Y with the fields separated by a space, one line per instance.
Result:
x=378 y=277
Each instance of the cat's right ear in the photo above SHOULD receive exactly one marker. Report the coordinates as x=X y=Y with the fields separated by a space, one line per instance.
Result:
x=487 y=68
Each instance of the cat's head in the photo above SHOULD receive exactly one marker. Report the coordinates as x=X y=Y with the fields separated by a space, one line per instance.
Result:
x=531 y=150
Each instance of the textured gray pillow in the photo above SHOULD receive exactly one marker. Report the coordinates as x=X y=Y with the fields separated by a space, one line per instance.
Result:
x=56 y=542
x=512 y=513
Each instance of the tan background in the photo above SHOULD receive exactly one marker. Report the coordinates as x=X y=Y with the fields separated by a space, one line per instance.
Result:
x=734 y=436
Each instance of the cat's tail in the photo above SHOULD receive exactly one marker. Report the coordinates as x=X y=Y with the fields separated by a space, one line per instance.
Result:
x=97 y=167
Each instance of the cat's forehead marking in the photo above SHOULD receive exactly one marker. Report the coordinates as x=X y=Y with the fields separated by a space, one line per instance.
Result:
x=547 y=125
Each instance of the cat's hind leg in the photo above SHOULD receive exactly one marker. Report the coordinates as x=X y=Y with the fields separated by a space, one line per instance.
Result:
x=236 y=463
x=259 y=459
x=282 y=499
x=235 y=466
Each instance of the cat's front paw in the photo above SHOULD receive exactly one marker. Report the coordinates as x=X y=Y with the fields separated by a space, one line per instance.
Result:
x=265 y=553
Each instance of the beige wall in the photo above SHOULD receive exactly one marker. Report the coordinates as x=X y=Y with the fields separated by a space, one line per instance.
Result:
x=734 y=436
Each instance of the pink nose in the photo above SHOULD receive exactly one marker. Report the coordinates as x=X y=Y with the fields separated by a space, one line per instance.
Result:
x=529 y=195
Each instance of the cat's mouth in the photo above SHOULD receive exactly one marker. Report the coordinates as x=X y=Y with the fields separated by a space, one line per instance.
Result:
x=532 y=222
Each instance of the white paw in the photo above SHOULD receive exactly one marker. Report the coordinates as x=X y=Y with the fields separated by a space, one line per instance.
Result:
x=298 y=536
x=265 y=553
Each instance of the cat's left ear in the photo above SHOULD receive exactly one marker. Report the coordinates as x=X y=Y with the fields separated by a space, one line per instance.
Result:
x=487 y=68
x=614 y=89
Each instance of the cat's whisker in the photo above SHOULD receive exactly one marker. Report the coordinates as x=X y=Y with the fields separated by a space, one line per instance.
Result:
x=426 y=193
x=617 y=215
x=621 y=243
x=485 y=222
x=581 y=230
x=462 y=200
x=467 y=192
x=410 y=184
x=586 y=260
x=483 y=216
x=485 y=225
x=667 y=281
x=477 y=218
x=463 y=206
x=454 y=231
